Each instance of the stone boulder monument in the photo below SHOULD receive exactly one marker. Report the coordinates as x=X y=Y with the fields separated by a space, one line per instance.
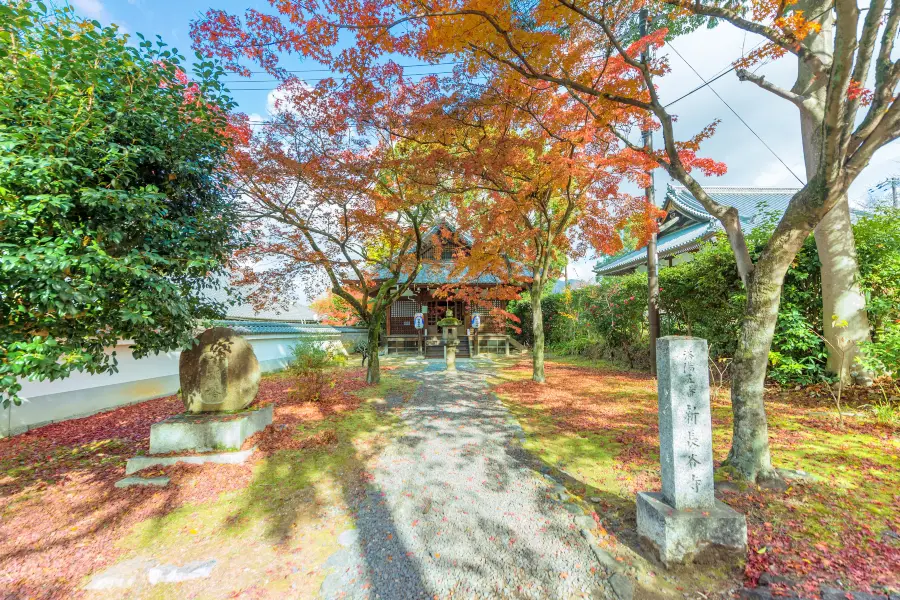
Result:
x=219 y=380
x=219 y=374
x=685 y=518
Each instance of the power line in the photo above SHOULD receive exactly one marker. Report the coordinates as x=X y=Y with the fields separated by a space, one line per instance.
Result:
x=736 y=114
x=316 y=79
x=699 y=87
x=401 y=66
x=726 y=70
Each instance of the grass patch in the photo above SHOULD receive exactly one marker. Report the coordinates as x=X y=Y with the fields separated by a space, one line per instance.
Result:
x=599 y=426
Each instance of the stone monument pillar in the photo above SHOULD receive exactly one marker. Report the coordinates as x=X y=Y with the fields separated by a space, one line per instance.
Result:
x=448 y=325
x=685 y=517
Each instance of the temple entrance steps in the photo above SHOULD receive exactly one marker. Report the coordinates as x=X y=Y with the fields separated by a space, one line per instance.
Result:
x=462 y=351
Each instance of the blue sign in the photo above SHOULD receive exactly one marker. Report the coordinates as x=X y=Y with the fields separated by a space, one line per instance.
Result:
x=476 y=321
x=419 y=321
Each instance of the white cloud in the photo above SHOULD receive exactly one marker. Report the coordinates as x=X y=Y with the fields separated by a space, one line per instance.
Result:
x=93 y=9
x=775 y=174
x=275 y=100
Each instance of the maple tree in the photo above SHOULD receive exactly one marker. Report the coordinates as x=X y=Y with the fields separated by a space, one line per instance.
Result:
x=334 y=206
x=533 y=183
x=589 y=50
x=334 y=310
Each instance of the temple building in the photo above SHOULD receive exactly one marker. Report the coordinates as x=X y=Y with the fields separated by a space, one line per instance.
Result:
x=403 y=337
x=687 y=224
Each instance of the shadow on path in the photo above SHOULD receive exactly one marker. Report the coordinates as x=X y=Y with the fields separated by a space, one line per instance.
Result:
x=452 y=508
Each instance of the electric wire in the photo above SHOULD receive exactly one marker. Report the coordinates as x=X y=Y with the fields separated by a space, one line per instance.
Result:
x=747 y=125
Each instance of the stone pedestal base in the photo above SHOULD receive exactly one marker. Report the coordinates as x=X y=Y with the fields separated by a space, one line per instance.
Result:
x=679 y=535
x=207 y=432
x=451 y=358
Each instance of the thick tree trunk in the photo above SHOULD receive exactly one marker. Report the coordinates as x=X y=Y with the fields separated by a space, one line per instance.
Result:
x=537 y=325
x=373 y=374
x=842 y=298
x=749 y=453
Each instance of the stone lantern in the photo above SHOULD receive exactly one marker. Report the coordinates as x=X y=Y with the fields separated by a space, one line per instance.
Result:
x=448 y=325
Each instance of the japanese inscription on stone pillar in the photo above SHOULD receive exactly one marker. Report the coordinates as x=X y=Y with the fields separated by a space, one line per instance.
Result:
x=685 y=425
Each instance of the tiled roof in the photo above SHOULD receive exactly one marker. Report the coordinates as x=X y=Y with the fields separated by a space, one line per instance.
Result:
x=674 y=243
x=262 y=327
x=753 y=205
x=439 y=273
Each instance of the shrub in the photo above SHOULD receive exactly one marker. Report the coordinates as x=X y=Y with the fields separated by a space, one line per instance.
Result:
x=705 y=298
x=312 y=363
x=116 y=214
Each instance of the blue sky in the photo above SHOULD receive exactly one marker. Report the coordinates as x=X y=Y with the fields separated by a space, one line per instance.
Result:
x=708 y=51
x=171 y=20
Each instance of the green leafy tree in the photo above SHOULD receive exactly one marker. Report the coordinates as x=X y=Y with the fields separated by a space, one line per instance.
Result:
x=114 y=215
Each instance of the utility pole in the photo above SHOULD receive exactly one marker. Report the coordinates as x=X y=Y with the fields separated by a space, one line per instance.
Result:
x=652 y=259
x=894 y=192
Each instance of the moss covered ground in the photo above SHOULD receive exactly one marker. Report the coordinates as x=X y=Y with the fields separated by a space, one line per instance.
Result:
x=598 y=425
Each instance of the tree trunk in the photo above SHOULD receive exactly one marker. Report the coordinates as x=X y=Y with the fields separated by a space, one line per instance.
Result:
x=841 y=294
x=537 y=325
x=842 y=299
x=373 y=374
x=749 y=453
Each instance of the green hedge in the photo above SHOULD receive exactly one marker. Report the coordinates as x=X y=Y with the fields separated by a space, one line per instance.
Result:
x=705 y=298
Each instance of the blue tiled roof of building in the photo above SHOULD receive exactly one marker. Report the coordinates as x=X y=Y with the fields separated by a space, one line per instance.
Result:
x=439 y=273
x=667 y=245
x=752 y=204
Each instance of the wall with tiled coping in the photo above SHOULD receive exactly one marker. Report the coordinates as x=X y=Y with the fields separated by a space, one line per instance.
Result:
x=153 y=376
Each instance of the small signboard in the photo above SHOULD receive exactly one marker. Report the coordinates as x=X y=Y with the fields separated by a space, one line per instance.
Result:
x=476 y=321
x=419 y=321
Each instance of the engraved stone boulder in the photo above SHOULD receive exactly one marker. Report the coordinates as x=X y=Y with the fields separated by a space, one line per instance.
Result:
x=220 y=373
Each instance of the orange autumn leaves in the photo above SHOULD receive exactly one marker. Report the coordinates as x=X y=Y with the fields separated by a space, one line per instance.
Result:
x=533 y=171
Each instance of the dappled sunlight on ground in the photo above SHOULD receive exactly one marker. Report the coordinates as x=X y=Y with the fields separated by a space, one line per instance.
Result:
x=599 y=425
x=265 y=522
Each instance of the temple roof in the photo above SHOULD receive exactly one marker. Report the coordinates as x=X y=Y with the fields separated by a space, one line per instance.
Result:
x=439 y=274
x=688 y=224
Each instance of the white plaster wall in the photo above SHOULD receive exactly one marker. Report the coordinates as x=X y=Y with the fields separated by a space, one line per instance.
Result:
x=351 y=335
x=153 y=376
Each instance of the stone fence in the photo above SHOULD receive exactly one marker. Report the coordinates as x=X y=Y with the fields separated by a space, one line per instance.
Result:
x=153 y=376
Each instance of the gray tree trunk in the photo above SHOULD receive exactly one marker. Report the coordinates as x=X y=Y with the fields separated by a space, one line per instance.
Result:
x=749 y=453
x=842 y=298
x=537 y=325
x=373 y=373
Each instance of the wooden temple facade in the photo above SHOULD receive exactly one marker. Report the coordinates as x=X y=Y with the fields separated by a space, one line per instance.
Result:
x=402 y=335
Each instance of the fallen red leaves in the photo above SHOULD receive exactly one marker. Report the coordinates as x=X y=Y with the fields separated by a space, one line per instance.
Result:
x=61 y=513
x=840 y=530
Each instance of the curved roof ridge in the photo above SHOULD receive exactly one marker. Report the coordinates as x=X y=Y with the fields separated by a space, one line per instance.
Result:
x=738 y=188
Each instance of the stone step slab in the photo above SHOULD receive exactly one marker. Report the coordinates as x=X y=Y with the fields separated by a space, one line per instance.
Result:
x=208 y=432
x=142 y=481
x=139 y=463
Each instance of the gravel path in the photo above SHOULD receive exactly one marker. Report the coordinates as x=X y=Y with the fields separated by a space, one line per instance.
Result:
x=451 y=511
